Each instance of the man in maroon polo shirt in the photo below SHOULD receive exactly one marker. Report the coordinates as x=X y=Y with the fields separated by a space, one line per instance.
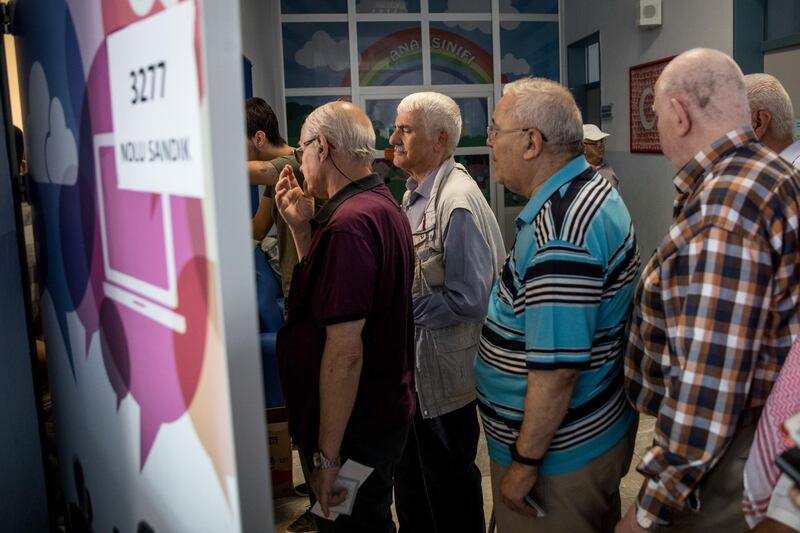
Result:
x=346 y=353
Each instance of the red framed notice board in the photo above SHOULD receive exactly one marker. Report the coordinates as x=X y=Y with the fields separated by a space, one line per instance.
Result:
x=642 y=78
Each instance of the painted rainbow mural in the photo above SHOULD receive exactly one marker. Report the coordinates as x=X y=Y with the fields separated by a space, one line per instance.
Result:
x=398 y=54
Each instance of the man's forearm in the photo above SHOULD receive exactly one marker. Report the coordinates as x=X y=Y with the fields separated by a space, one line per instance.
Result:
x=546 y=403
x=338 y=385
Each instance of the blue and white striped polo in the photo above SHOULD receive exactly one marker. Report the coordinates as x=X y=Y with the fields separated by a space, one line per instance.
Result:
x=563 y=301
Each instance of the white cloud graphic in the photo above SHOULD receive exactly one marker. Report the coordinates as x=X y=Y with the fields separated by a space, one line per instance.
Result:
x=323 y=51
x=141 y=7
x=483 y=27
x=61 y=153
x=514 y=65
x=37 y=123
x=479 y=6
x=52 y=151
x=381 y=6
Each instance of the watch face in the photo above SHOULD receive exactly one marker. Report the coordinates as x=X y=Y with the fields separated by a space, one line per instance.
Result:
x=317 y=460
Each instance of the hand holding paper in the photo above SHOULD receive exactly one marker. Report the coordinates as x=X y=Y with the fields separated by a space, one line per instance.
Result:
x=350 y=477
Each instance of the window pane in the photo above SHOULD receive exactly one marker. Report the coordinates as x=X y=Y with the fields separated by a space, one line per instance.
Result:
x=387 y=6
x=393 y=177
x=460 y=6
x=382 y=114
x=474 y=119
x=529 y=6
x=304 y=7
x=513 y=199
x=316 y=55
x=298 y=108
x=461 y=52
x=478 y=167
x=529 y=49
x=390 y=53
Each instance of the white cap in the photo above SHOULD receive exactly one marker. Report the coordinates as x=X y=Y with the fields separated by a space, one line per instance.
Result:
x=593 y=133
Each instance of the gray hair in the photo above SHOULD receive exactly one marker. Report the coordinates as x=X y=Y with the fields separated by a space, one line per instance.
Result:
x=351 y=136
x=766 y=92
x=550 y=108
x=439 y=112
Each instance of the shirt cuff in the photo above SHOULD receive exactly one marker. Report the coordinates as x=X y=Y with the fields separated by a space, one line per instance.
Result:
x=655 y=501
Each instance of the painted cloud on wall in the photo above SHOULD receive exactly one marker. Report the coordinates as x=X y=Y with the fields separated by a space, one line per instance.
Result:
x=323 y=51
x=51 y=144
x=514 y=65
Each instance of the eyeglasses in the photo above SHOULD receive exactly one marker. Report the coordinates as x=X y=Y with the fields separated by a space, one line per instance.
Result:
x=492 y=132
x=298 y=152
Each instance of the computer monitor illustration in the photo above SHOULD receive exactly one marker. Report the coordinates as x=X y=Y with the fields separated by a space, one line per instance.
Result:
x=137 y=243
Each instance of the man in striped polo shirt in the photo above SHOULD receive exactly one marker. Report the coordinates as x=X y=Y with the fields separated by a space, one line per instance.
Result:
x=549 y=366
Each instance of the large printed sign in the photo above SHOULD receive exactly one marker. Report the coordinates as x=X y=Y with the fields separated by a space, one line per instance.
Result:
x=114 y=104
x=644 y=134
x=154 y=103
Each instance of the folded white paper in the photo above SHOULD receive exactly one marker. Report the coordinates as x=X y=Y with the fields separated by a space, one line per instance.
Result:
x=351 y=476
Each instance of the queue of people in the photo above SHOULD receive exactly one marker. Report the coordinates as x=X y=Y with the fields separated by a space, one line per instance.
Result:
x=409 y=321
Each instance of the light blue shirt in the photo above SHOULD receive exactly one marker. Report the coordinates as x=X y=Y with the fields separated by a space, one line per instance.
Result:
x=468 y=273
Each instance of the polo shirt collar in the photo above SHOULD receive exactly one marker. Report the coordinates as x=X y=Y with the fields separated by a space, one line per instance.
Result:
x=348 y=191
x=693 y=173
x=565 y=174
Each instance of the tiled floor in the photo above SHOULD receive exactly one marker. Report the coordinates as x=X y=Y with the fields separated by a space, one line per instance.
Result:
x=287 y=509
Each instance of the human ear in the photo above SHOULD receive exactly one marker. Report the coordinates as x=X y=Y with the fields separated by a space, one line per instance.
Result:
x=680 y=118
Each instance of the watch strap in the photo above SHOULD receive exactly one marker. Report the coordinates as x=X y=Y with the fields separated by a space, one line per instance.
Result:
x=521 y=459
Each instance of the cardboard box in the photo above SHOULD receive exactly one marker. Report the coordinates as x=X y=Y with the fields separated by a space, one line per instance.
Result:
x=280 y=458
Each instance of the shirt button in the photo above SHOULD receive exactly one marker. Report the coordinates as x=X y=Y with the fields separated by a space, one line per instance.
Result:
x=425 y=412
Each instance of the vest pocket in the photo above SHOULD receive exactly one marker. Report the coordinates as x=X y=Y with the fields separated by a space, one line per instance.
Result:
x=455 y=350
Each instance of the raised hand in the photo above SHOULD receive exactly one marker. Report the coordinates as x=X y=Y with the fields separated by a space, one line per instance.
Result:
x=295 y=205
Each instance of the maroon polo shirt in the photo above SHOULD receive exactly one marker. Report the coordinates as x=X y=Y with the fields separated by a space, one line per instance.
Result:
x=359 y=265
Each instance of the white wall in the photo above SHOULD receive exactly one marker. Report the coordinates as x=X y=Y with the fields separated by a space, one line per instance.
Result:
x=261 y=44
x=646 y=178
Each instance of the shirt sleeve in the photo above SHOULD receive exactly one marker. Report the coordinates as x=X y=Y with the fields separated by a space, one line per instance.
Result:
x=716 y=328
x=468 y=276
x=347 y=278
x=781 y=509
x=563 y=288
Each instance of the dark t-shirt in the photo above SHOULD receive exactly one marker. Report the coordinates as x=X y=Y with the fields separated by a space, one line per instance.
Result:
x=359 y=266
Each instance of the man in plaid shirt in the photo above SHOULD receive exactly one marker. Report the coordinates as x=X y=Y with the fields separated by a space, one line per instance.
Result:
x=716 y=308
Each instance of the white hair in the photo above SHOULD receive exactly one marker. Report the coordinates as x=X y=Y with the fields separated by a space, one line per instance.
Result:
x=766 y=92
x=550 y=108
x=439 y=112
x=349 y=136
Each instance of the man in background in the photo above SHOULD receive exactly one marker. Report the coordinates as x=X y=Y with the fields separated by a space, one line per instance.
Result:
x=594 y=148
x=772 y=116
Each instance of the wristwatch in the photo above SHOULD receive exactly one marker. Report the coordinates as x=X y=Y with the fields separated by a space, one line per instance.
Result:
x=321 y=462
x=521 y=459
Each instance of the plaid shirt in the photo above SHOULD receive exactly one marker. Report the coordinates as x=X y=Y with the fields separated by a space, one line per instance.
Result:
x=715 y=312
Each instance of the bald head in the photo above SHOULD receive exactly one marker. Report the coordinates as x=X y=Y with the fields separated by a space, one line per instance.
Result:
x=710 y=83
x=346 y=126
x=700 y=96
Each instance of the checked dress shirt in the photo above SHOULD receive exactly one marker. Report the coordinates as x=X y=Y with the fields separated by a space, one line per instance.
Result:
x=715 y=312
